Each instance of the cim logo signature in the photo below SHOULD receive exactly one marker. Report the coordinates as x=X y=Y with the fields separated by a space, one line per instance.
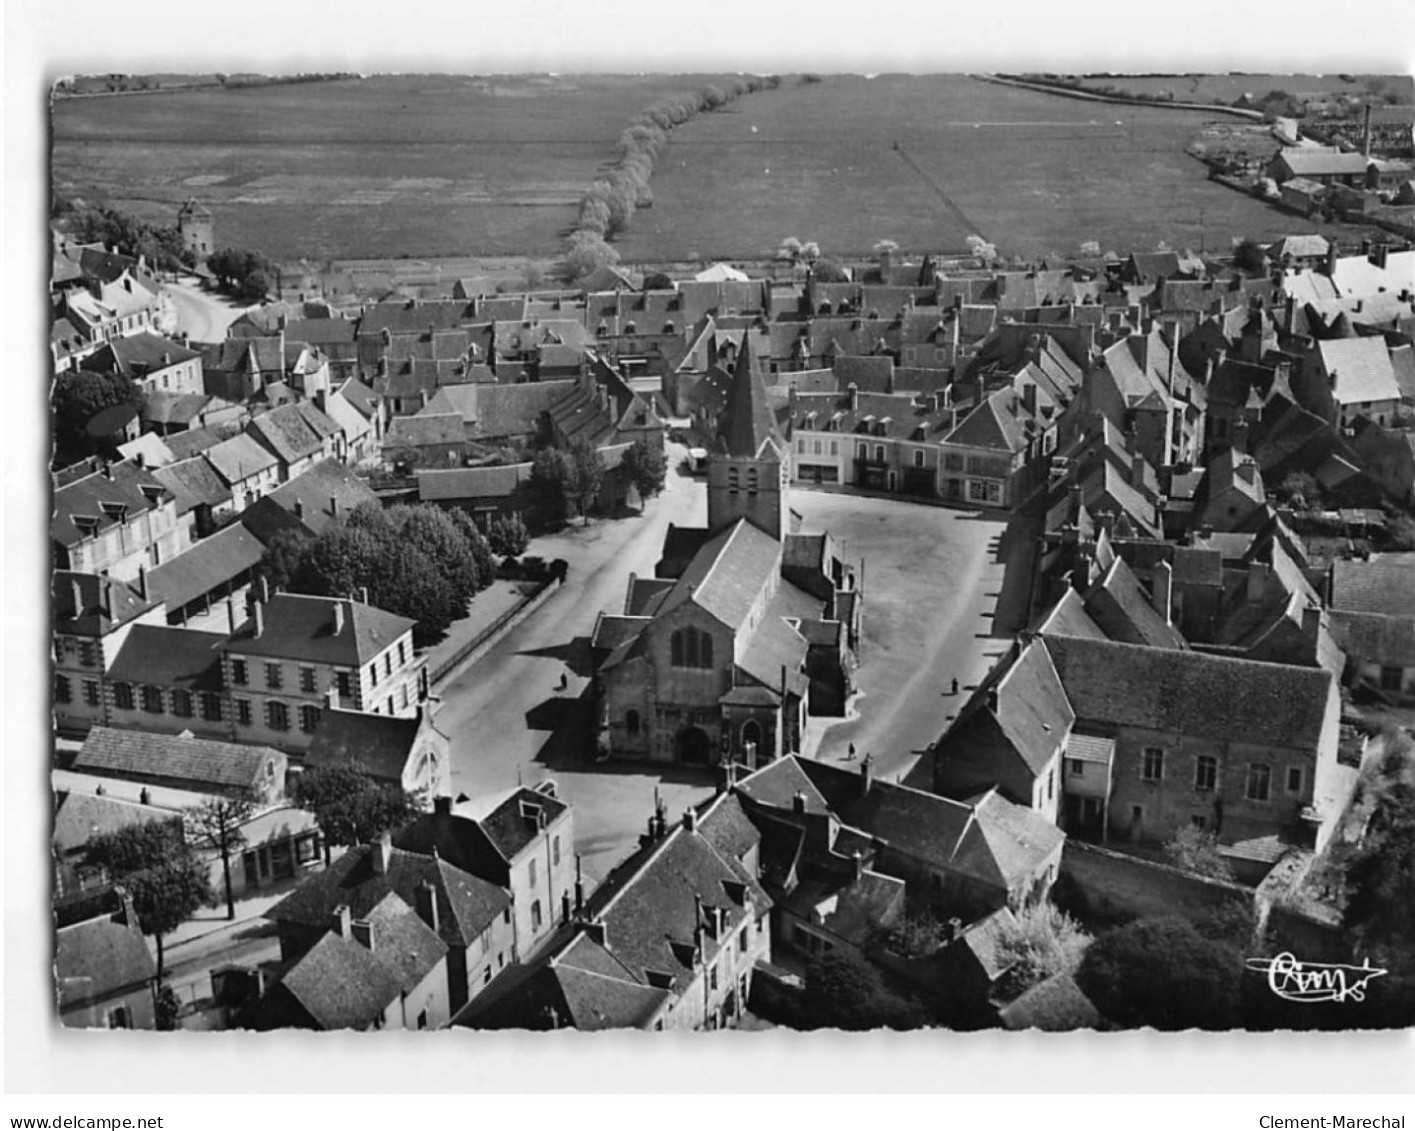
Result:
x=1293 y=980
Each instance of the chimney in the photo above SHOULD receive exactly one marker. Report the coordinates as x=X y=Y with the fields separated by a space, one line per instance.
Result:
x=1331 y=259
x=334 y=505
x=342 y=920
x=338 y=616
x=852 y=391
x=258 y=615
x=798 y=804
x=264 y=588
x=1137 y=471
x=331 y=697
x=857 y=865
x=361 y=930
x=1029 y=398
x=1366 y=134
x=381 y=850
x=1163 y=591
x=79 y=596
x=579 y=887
x=383 y=365
x=142 y=582
x=1257 y=580
x=867 y=773
x=363 y=594
x=425 y=896
x=299 y=508
x=1311 y=627
x=442 y=806
x=230 y=616
x=690 y=819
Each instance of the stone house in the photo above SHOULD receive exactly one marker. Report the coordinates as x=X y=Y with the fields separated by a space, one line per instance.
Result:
x=116 y=520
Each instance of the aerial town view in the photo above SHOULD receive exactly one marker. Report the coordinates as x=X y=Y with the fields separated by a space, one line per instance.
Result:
x=732 y=551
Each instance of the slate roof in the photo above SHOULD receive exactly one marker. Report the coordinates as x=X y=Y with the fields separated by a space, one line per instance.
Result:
x=984 y=941
x=206 y=566
x=894 y=416
x=727 y=574
x=748 y=424
x=379 y=745
x=1090 y=748
x=466 y=903
x=1192 y=693
x=240 y=458
x=1123 y=611
x=102 y=603
x=299 y=627
x=169 y=657
x=139 y=755
x=191 y=442
x=413 y=316
x=1362 y=369
x=136 y=355
x=998 y=424
x=425 y=429
x=511 y=826
x=498 y=482
x=1381 y=586
x=1307 y=161
x=98 y=958
x=336 y=984
x=124 y=493
x=293 y=432
x=79 y=817
x=504 y=411
x=1055 y=1005
x=194 y=483
x=314 y=500
x=1068 y=617
x=1384 y=640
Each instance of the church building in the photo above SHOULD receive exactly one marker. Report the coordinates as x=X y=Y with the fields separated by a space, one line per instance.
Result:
x=748 y=628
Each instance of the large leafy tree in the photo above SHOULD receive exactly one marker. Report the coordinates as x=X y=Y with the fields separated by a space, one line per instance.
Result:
x=246 y=274
x=1195 y=850
x=162 y=247
x=349 y=806
x=1163 y=973
x=1380 y=880
x=1042 y=940
x=216 y=826
x=846 y=992
x=586 y=477
x=646 y=468
x=161 y=872
x=550 y=476
x=78 y=396
x=507 y=536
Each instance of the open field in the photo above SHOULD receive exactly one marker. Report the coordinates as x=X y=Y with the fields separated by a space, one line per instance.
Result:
x=1228 y=88
x=385 y=166
x=1033 y=173
x=439 y=165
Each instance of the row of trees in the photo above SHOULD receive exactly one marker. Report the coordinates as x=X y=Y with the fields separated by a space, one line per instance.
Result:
x=161 y=247
x=568 y=482
x=417 y=561
x=608 y=206
x=247 y=275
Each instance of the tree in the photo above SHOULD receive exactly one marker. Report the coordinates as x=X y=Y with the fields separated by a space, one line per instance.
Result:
x=586 y=252
x=1249 y=257
x=1380 y=880
x=646 y=467
x=658 y=281
x=282 y=557
x=507 y=536
x=1400 y=533
x=846 y=992
x=79 y=396
x=1162 y=973
x=829 y=271
x=350 y=807
x=1041 y=941
x=884 y=248
x=1195 y=850
x=550 y=474
x=168 y=1007
x=585 y=478
x=1299 y=490
x=216 y=825
x=164 y=877
x=979 y=248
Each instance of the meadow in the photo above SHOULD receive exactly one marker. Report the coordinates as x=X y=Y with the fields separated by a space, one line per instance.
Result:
x=438 y=165
x=413 y=165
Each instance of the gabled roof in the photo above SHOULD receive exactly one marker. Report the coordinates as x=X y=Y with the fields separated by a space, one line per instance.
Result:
x=515 y=823
x=79 y=817
x=314 y=500
x=1361 y=368
x=425 y=430
x=1123 y=611
x=240 y=458
x=998 y=424
x=103 y=500
x=1192 y=693
x=378 y=745
x=337 y=984
x=1068 y=617
x=1372 y=638
x=293 y=432
x=726 y=576
x=177 y=758
x=98 y=958
x=1305 y=161
x=1384 y=586
x=206 y=566
x=194 y=482
x=1055 y=1005
x=1023 y=698
x=165 y=656
x=466 y=903
x=300 y=627
x=86 y=604
x=136 y=355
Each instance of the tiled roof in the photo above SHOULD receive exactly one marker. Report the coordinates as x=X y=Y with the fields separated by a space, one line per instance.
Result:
x=471 y=482
x=458 y=399
x=425 y=429
x=314 y=500
x=292 y=431
x=515 y=410
x=512 y=825
x=415 y=317
x=336 y=984
x=79 y=817
x=300 y=627
x=191 y=442
x=239 y=458
x=1381 y=586
x=176 y=758
x=1361 y=369
x=165 y=656
x=985 y=939
x=728 y=573
x=1090 y=748
x=1191 y=693
x=98 y=958
x=895 y=417
x=1068 y=617
x=998 y=424
x=100 y=604
x=748 y=424
x=1055 y=1005
x=194 y=483
x=1123 y=611
x=466 y=903
x=379 y=745
x=1385 y=640
x=206 y=566
x=136 y=355
x=1025 y=700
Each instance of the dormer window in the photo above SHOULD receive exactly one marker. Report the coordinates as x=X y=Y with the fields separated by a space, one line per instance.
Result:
x=114 y=510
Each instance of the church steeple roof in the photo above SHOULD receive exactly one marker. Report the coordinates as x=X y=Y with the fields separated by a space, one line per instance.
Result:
x=747 y=420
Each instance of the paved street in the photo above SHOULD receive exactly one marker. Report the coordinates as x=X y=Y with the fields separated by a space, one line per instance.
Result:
x=201 y=315
x=503 y=712
x=932 y=581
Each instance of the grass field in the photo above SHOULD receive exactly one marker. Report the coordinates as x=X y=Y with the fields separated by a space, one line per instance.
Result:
x=1228 y=88
x=393 y=165
x=455 y=165
x=1034 y=173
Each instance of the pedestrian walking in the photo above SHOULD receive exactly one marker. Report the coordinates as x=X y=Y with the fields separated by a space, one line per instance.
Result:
x=851 y=756
x=564 y=681
x=955 y=685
